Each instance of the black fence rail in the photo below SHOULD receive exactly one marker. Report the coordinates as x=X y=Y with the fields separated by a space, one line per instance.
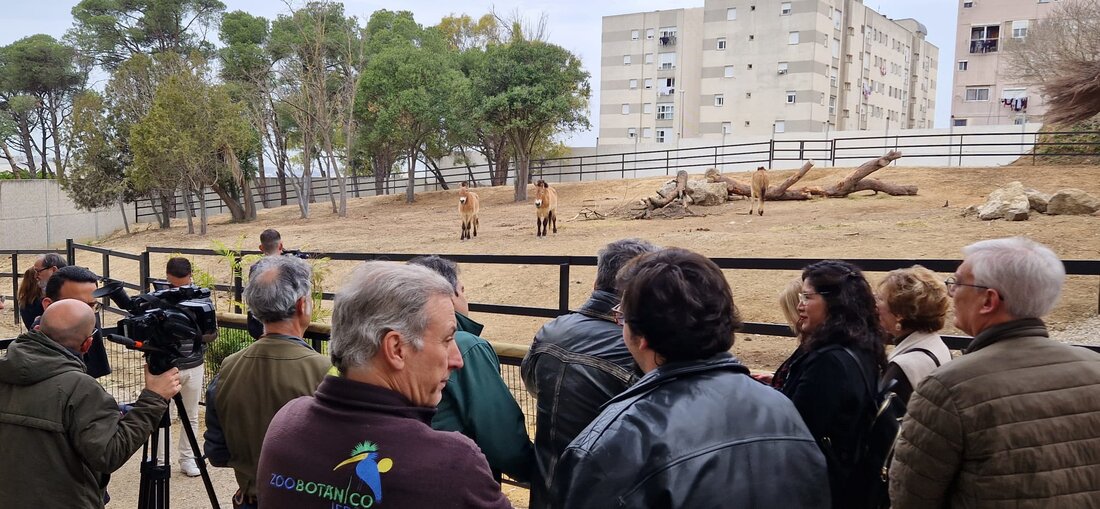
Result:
x=950 y=148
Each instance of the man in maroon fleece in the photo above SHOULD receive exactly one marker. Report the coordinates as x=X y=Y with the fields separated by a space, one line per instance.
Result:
x=364 y=439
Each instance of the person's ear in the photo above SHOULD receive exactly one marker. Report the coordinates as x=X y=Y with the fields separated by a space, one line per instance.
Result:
x=394 y=351
x=991 y=301
x=46 y=301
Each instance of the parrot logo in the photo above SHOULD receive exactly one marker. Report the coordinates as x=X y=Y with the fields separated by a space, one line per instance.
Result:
x=370 y=468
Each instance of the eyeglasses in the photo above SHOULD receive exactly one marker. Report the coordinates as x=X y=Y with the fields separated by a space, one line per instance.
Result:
x=617 y=313
x=804 y=297
x=37 y=270
x=95 y=330
x=951 y=283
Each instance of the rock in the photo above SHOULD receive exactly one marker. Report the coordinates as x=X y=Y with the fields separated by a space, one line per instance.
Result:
x=970 y=211
x=1006 y=202
x=1037 y=200
x=705 y=194
x=1072 y=202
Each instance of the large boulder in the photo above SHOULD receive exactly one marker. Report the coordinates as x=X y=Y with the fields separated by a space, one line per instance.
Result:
x=1072 y=202
x=1037 y=200
x=702 y=193
x=1009 y=202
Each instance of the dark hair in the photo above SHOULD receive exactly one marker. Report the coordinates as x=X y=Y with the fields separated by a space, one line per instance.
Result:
x=70 y=273
x=613 y=257
x=442 y=266
x=269 y=240
x=52 y=260
x=29 y=291
x=852 y=314
x=681 y=303
x=178 y=267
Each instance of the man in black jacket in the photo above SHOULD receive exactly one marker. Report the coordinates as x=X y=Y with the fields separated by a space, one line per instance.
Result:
x=192 y=371
x=576 y=364
x=78 y=283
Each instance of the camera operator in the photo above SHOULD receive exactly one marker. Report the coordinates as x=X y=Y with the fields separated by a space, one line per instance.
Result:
x=271 y=244
x=178 y=273
x=63 y=433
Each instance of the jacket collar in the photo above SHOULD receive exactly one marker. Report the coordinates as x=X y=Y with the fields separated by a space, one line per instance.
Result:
x=1022 y=328
x=467 y=324
x=352 y=396
x=599 y=305
x=721 y=361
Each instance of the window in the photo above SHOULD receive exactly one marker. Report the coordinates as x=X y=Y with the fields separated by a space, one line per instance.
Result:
x=780 y=126
x=662 y=134
x=983 y=39
x=647 y=108
x=977 y=94
x=833 y=77
x=649 y=58
x=1019 y=29
x=668 y=36
x=731 y=14
x=633 y=37
x=626 y=59
x=968 y=4
x=784 y=8
x=649 y=83
x=719 y=100
x=1018 y=121
x=666 y=86
x=958 y=122
x=752 y=37
x=792 y=38
x=721 y=43
x=747 y=123
x=727 y=127
x=782 y=68
x=838 y=19
x=647 y=132
x=664 y=112
x=631 y=132
x=728 y=71
x=748 y=95
x=832 y=105
x=633 y=84
x=836 y=48
x=649 y=33
x=791 y=96
x=666 y=60
x=626 y=109
x=749 y=66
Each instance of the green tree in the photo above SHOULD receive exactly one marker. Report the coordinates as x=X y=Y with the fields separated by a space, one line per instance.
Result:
x=96 y=178
x=532 y=90
x=39 y=77
x=111 y=31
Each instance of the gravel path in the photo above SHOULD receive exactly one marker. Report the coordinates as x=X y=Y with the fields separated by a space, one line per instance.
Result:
x=1082 y=332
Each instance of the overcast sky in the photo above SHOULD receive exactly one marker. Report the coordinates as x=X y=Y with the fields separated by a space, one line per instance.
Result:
x=574 y=25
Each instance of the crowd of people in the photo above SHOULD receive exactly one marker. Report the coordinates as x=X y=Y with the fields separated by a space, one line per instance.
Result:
x=639 y=400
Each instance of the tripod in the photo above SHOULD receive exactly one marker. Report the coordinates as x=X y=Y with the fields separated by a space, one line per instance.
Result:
x=153 y=490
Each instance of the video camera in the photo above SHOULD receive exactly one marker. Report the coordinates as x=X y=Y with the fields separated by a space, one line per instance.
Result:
x=297 y=253
x=162 y=321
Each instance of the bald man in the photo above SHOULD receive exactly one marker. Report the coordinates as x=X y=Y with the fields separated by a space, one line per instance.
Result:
x=63 y=433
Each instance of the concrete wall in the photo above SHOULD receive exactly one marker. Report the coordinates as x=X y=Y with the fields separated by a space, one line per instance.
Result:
x=37 y=214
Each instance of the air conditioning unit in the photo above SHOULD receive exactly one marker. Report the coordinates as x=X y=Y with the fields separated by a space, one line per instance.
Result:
x=782 y=71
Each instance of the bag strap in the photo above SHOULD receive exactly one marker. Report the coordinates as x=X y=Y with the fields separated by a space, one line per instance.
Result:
x=930 y=355
x=862 y=374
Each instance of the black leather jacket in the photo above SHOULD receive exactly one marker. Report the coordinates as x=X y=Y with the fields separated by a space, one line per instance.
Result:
x=694 y=435
x=576 y=364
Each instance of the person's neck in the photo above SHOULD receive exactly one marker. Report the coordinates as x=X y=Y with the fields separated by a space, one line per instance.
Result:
x=290 y=327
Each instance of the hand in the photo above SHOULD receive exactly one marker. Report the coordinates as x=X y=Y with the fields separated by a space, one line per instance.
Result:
x=764 y=378
x=166 y=384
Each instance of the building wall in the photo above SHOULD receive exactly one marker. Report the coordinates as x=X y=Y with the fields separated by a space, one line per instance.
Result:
x=37 y=214
x=762 y=81
x=985 y=65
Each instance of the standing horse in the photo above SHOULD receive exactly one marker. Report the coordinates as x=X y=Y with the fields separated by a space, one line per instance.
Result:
x=468 y=207
x=759 y=189
x=546 y=208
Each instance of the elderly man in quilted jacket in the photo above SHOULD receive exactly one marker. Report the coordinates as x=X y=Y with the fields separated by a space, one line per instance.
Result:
x=1015 y=421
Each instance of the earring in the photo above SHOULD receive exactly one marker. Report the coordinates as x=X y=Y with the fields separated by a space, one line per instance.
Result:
x=897 y=326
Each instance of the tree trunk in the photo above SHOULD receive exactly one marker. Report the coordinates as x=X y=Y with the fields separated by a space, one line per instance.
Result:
x=125 y=220
x=410 y=186
x=166 y=208
x=306 y=182
x=202 y=211
x=190 y=216
x=262 y=176
x=432 y=167
x=327 y=163
x=853 y=181
x=234 y=206
x=502 y=166
x=681 y=192
x=15 y=169
x=786 y=184
x=379 y=175
x=523 y=168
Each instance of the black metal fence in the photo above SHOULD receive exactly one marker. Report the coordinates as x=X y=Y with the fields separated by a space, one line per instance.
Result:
x=947 y=149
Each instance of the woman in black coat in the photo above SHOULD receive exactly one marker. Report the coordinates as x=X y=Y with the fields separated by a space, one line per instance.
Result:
x=831 y=384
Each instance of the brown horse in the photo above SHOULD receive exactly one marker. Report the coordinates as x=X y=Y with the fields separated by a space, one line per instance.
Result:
x=546 y=207
x=468 y=207
x=759 y=189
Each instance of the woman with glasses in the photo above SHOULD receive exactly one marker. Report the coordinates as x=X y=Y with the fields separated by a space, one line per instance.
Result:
x=832 y=384
x=912 y=306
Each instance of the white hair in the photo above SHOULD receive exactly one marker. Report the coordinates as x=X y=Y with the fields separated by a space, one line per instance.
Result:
x=377 y=298
x=1027 y=274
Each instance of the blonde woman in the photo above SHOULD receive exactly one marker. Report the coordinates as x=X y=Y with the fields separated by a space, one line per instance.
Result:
x=912 y=306
x=788 y=303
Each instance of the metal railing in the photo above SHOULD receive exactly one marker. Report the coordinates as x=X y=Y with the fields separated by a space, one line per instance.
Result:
x=16 y=275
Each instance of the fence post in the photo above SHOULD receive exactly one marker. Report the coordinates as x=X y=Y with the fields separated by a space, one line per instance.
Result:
x=832 y=152
x=666 y=164
x=106 y=265
x=563 y=287
x=143 y=271
x=716 y=157
x=771 y=151
x=801 y=150
x=961 y=148
x=622 y=165
x=15 y=285
x=238 y=284
x=70 y=252
x=580 y=172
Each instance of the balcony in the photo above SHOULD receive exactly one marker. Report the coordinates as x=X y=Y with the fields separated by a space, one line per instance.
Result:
x=978 y=46
x=667 y=40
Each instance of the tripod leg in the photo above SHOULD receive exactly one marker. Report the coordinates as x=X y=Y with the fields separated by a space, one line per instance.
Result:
x=200 y=460
x=153 y=487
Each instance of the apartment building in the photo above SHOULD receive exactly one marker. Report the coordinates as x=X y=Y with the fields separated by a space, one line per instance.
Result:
x=984 y=92
x=753 y=67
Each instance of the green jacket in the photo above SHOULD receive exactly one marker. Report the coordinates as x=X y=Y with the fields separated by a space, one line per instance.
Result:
x=477 y=403
x=62 y=434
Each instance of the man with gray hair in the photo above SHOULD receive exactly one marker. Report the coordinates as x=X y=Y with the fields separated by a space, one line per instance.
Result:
x=365 y=437
x=257 y=381
x=1015 y=421
x=577 y=363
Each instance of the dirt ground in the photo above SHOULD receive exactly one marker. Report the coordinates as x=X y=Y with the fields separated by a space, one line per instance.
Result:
x=929 y=225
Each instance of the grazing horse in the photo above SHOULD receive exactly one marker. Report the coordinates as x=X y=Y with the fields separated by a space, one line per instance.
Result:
x=546 y=207
x=468 y=207
x=759 y=189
